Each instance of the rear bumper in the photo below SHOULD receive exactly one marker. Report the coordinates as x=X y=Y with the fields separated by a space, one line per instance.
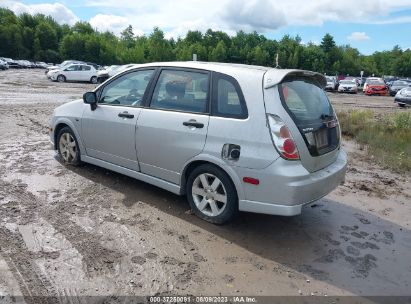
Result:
x=287 y=186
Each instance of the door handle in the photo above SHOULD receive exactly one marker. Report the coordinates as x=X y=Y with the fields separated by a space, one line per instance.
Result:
x=193 y=123
x=125 y=115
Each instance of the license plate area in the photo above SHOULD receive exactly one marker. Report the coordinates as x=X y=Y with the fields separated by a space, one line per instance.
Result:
x=321 y=138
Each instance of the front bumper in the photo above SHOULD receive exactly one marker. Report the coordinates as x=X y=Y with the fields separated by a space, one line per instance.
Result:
x=406 y=100
x=372 y=92
x=287 y=186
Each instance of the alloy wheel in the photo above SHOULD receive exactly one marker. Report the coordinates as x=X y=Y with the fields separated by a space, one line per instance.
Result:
x=209 y=194
x=68 y=147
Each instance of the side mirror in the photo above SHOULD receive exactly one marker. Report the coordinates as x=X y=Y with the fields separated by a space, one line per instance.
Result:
x=91 y=99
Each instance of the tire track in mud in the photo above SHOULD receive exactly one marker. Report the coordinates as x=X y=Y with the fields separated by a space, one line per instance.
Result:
x=21 y=209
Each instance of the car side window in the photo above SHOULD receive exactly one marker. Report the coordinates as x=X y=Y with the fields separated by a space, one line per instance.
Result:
x=178 y=90
x=228 y=100
x=85 y=68
x=127 y=89
x=73 y=68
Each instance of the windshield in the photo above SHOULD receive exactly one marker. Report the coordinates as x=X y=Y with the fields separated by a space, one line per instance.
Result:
x=306 y=100
x=376 y=82
x=400 y=83
x=347 y=82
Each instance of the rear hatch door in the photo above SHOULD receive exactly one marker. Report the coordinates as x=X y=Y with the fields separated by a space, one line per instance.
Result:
x=300 y=101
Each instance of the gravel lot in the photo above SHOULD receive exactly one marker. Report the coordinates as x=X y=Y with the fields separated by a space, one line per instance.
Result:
x=88 y=231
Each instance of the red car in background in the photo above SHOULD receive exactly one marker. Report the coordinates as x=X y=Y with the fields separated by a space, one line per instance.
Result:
x=376 y=87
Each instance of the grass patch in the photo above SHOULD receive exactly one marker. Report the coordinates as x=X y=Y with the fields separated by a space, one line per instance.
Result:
x=386 y=138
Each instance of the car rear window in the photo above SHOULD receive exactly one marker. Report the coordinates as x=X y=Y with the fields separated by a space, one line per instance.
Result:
x=305 y=100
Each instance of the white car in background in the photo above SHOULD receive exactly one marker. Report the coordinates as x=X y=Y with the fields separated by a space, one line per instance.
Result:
x=348 y=86
x=74 y=72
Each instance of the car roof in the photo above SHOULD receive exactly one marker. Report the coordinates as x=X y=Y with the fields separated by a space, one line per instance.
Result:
x=272 y=76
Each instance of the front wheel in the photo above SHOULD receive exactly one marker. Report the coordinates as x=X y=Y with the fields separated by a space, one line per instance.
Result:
x=68 y=147
x=61 y=78
x=212 y=194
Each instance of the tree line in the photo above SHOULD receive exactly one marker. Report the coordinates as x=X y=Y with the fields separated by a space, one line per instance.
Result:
x=41 y=38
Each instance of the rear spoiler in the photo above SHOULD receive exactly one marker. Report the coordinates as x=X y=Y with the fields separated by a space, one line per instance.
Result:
x=275 y=76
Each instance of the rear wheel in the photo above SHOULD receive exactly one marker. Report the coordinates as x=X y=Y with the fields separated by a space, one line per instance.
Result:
x=402 y=105
x=61 y=78
x=93 y=79
x=212 y=194
x=68 y=148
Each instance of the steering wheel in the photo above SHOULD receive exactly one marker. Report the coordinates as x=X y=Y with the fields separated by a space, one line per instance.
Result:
x=133 y=94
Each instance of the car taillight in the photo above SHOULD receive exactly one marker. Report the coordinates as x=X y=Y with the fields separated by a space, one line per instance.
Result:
x=282 y=138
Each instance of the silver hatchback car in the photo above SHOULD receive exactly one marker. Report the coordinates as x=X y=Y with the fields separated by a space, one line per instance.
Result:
x=230 y=137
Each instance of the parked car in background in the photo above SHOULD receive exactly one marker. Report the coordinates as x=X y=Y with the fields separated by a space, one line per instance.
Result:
x=11 y=63
x=367 y=80
x=403 y=97
x=74 y=72
x=42 y=65
x=62 y=65
x=331 y=83
x=222 y=134
x=3 y=65
x=104 y=74
x=348 y=86
x=376 y=87
x=397 y=85
x=357 y=80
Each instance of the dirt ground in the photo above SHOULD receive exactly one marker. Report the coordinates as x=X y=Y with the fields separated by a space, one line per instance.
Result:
x=89 y=231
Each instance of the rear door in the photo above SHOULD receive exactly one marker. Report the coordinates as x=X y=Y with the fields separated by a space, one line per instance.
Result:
x=173 y=127
x=85 y=73
x=109 y=132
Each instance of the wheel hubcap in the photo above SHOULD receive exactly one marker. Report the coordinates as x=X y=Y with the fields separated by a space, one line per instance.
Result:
x=68 y=148
x=209 y=194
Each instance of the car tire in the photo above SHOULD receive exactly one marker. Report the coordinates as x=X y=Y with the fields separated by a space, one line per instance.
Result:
x=61 y=78
x=68 y=147
x=93 y=79
x=402 y=105
x=211 y=194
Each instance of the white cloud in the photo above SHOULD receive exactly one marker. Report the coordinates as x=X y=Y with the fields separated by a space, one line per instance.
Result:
x=112 y=23
x=358 y=36
x=258 y=15
x=177 y=17
x=58 y=11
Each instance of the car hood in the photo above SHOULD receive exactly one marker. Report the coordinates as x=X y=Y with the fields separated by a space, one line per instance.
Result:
x=102 y=72
x=72 y=108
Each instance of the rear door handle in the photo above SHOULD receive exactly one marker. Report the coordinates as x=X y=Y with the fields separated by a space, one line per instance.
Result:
x=193 y=123
x=125 y=115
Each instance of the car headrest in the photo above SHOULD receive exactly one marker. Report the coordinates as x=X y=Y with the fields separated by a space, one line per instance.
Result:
x=204 y=85
x=176 y=88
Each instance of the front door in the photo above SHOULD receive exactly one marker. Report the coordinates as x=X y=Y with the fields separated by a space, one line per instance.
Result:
x=173 y=128
x=109 y=132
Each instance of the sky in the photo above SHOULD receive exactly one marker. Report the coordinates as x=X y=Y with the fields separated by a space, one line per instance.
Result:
x=368 y=25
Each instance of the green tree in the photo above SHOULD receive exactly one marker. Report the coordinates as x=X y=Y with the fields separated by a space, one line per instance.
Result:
x=47 y=36
x=219 y=53
x=159 y=48
x=127 y=36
